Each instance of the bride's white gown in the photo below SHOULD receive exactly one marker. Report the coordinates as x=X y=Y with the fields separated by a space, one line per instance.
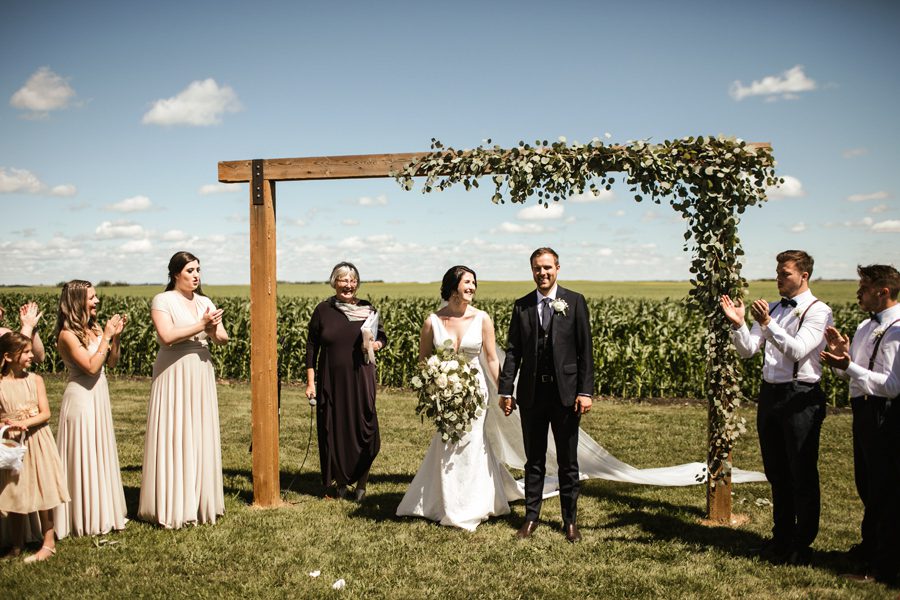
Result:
x=463 y=484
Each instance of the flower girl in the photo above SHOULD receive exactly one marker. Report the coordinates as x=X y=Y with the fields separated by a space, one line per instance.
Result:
x=39 y=484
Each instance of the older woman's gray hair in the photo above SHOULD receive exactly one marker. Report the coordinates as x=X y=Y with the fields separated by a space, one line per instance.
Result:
x=341 y=270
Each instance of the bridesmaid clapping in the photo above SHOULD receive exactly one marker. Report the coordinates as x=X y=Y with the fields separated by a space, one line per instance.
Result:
x=86 y=439
x=182 y=476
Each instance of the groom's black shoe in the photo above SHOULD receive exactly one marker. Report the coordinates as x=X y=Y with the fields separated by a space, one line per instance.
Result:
x=572 y=533
x=526 y=529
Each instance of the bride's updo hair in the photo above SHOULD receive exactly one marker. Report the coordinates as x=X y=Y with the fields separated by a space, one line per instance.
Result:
x=451 y=280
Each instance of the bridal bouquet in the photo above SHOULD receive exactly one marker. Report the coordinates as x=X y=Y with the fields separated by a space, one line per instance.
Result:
x=449 y=392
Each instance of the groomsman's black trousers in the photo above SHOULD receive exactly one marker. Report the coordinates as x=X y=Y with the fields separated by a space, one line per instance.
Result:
x=547 y=411
x=789 y=421
x=876 y=462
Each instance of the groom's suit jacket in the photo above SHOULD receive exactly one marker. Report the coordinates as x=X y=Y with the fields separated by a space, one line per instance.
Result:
x=572 y=349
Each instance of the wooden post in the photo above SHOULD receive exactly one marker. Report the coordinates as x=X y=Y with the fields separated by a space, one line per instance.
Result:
x=263 y=340
x=718 y=500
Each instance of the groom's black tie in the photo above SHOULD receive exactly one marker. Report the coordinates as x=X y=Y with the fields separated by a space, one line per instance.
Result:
x=546 y=314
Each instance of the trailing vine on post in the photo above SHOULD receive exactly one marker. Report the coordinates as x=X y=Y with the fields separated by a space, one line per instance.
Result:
x=710 y=181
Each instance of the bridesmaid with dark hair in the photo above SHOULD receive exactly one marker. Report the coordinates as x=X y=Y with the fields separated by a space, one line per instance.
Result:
x=181 y=481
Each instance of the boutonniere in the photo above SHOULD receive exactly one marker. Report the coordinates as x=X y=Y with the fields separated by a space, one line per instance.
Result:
x=879 y=332
x=559 y=306
x=797 y=312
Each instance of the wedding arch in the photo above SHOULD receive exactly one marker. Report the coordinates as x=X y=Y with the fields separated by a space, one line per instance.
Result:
x=710 y=181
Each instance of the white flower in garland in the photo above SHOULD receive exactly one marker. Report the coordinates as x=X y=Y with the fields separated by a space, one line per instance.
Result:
x=559 y=306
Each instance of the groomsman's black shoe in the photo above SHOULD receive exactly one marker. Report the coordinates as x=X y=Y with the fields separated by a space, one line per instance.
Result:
x=801 y=557
x=526 y=529
x=359 y=494
x=572 y=533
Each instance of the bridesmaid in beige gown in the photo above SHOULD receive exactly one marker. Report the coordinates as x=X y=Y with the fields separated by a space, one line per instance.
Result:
x=181 y=481
x=86 y=438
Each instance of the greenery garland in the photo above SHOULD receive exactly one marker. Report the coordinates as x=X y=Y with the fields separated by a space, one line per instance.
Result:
x=709 y=180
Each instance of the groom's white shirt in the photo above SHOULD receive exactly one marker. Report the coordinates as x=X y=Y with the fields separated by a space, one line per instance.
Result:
x=540 y=298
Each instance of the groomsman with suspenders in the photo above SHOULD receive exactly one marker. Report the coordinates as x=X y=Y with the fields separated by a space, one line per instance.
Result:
x=872 y=364
x=791 y=402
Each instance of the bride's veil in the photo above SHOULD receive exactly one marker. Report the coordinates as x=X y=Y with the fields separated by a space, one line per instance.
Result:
x=504 y=435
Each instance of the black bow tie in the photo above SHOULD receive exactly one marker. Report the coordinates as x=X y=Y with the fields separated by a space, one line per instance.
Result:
x=788 y=302
x=875 y=317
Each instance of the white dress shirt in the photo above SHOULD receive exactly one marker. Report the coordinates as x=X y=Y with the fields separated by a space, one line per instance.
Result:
x=884 y=378
x=785 y=344
x=540 y=300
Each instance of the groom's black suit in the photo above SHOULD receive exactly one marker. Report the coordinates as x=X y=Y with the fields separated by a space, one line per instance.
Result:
x=555 y=364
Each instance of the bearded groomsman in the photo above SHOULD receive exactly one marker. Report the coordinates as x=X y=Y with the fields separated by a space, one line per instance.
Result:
x=791 y=402
x=872 y=364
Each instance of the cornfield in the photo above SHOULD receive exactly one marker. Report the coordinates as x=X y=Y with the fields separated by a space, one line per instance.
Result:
x=642 y=348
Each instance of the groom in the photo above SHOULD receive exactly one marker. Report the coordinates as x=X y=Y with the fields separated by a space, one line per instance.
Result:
x=550 y=347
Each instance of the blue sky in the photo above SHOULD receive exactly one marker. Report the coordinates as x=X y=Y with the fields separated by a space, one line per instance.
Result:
x=113 y=116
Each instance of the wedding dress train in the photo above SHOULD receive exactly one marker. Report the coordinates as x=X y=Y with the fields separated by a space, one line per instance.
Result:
x=504 y=435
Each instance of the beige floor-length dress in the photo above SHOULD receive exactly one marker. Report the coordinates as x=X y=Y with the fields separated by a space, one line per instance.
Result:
x=90 y=457
x=182 y=475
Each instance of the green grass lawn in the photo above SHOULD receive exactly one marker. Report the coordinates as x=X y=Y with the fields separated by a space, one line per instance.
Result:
x=639 y=541
x=831 y=291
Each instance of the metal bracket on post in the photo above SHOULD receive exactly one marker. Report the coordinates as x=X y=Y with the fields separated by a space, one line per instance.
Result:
x=256 y=181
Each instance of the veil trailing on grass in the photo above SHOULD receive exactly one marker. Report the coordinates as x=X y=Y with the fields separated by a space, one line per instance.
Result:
x=594 y=461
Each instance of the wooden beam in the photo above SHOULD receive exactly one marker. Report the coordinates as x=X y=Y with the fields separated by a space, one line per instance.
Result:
x=359 y=166
x=356 y=166
x=264 y=348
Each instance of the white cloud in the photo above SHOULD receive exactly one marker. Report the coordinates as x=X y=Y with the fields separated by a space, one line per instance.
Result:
x=136 y=246
x=380 y=200
x=380 y=239
x=133 y=204
x=174 y=235
x=892 y=226
x=854 y=152
x=202 y=103
x=880 y=208
x=19 y=180
x=882 y=195
x=23 y=181
x=799 y=227
x=785 y=86
x=603 y=195
x=44 y=91
x=352 y=243
x=296 y=222
x=864 y=222
x=66 y=189
x=350 y=222
x=649 y=216
x=619 y=213
x=539 y=213
x=507 y=227
x=108 y=230
x=219 y=188
x=791 y=188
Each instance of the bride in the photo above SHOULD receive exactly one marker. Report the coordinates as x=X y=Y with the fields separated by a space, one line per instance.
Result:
x=461 y=483
x=464 y=483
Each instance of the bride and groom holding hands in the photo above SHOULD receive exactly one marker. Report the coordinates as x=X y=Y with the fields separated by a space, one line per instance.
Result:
x=547 y=373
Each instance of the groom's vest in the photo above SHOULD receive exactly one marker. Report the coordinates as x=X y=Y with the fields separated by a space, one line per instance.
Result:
x=544 y=363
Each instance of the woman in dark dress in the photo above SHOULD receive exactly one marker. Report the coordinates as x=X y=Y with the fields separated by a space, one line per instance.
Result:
x=346 y=420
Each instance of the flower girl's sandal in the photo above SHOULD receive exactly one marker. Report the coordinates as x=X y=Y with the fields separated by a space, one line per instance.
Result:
x=37 y=557
x=11 y=553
